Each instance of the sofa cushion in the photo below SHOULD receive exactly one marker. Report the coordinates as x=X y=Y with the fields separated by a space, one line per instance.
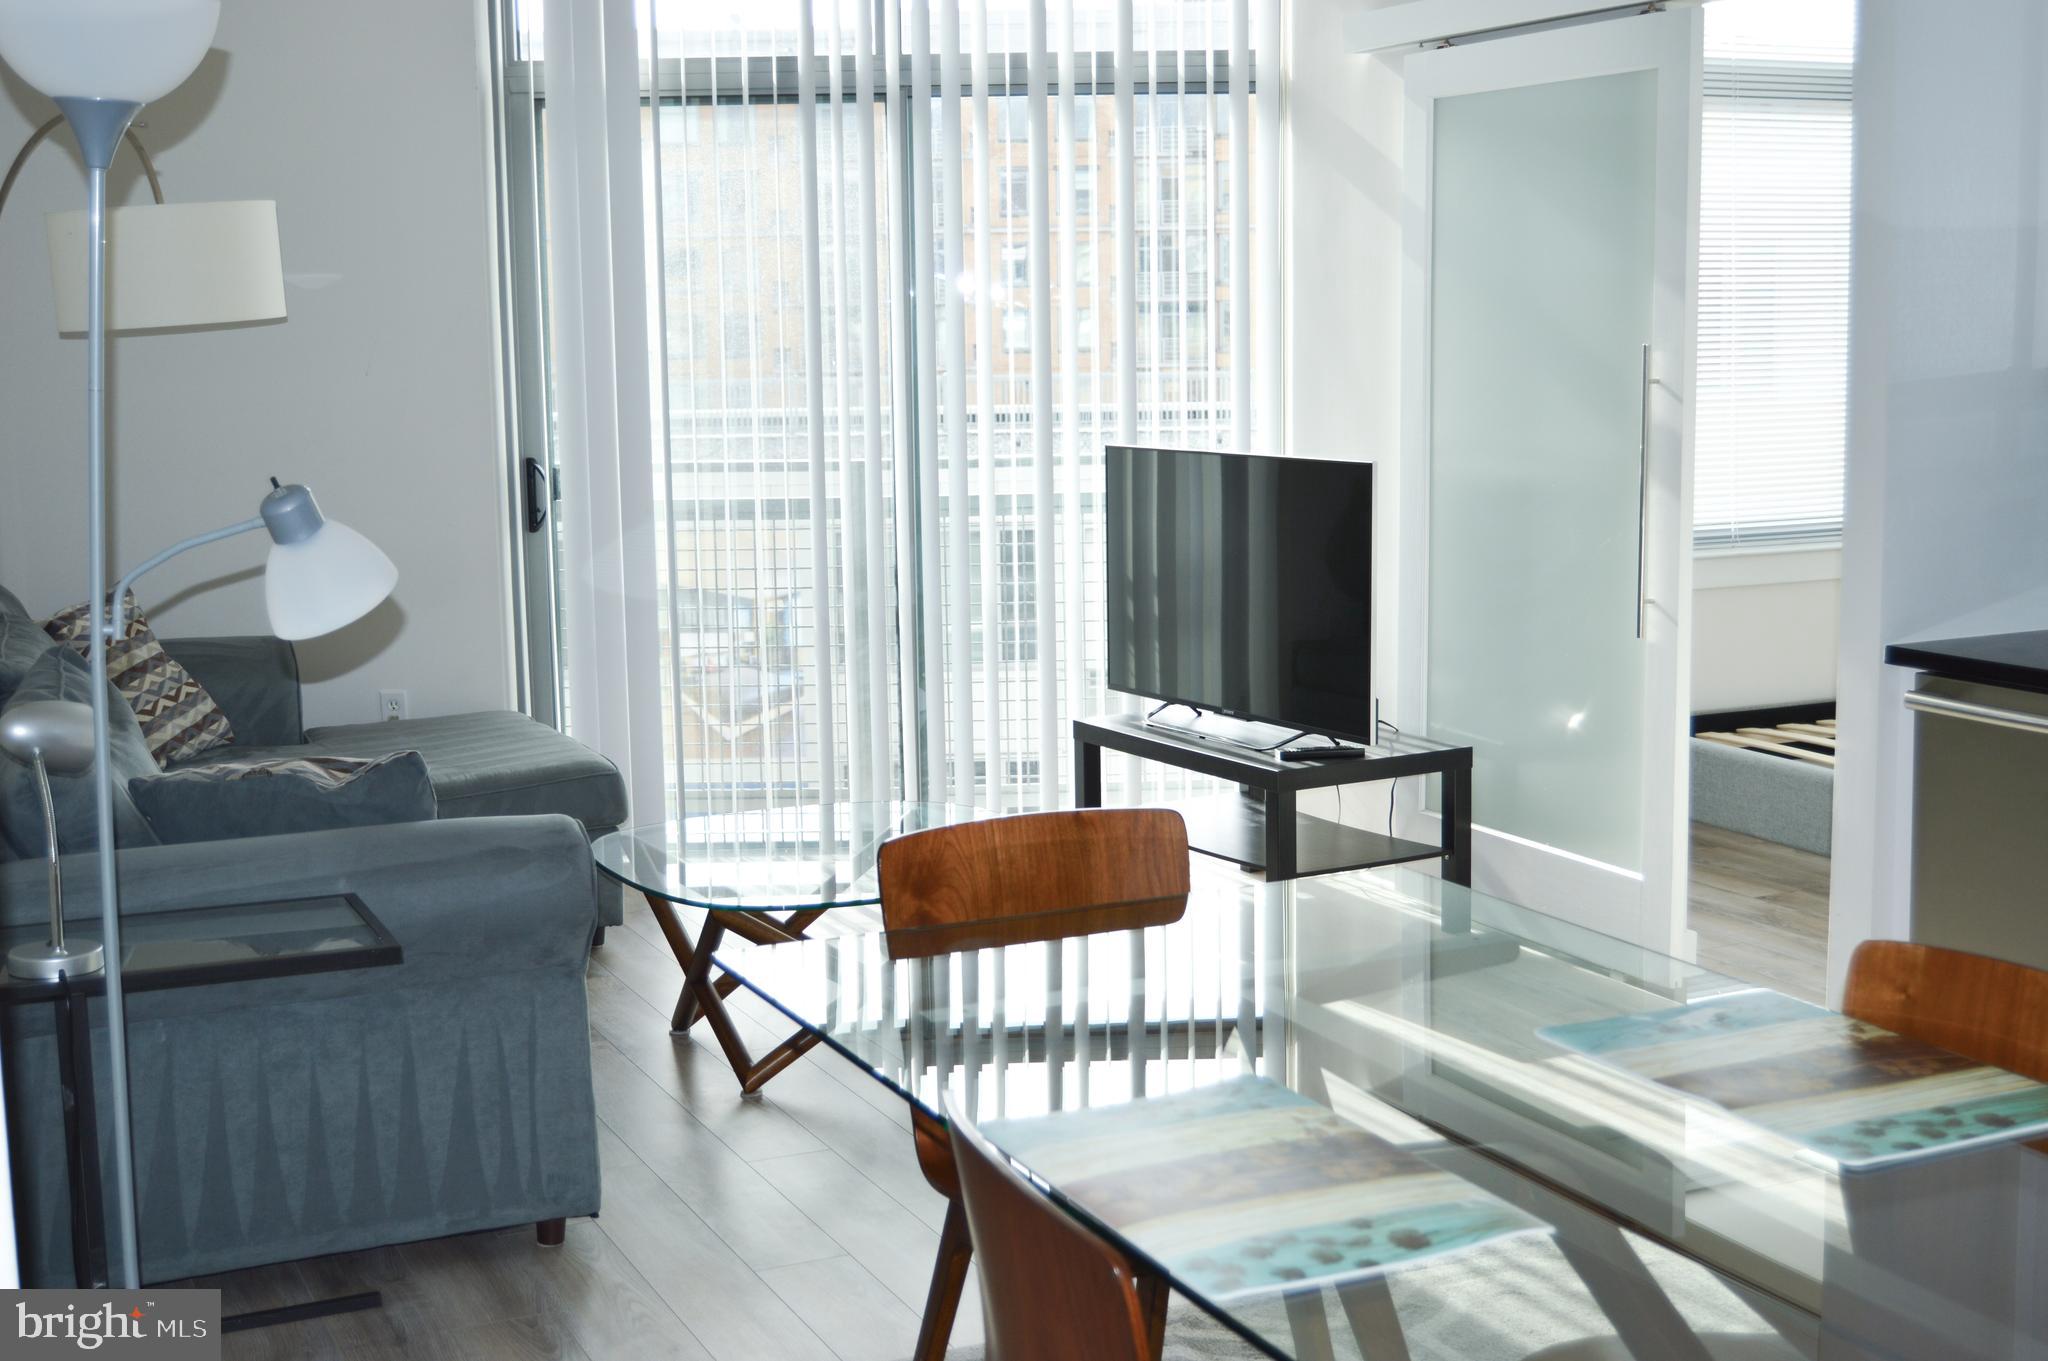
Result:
x=179 y=718
x=236 y=797
x=22 y=642
x=61 y=673
x=491 y=763
x=255 y=680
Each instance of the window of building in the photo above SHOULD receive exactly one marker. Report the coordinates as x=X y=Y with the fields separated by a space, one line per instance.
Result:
x=1016 y=561
x=1016 y=182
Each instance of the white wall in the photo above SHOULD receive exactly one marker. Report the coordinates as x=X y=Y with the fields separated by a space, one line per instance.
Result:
x=1758 y=646
x=1343 y=269
x=1342 y=262
x=367 y=122
x=1948 y=390
x=1765 y=629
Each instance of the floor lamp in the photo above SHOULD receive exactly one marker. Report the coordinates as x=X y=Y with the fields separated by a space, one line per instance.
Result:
x=101 y=61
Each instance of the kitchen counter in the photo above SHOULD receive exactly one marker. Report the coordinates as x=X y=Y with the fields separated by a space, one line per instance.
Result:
x=2016 y=660
x=1980 y=793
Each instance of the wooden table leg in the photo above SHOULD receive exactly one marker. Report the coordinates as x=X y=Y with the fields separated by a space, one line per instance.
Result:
x=766 y=929
x=703 y=997
x=685 y=1013
x=759 y=928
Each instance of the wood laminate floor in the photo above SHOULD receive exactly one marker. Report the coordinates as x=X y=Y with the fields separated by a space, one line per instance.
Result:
x=1761 y=911
x=793 y=1226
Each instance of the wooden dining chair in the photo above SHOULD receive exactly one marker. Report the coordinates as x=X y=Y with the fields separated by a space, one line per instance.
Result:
x=1986 y=1009
x=1050 y=1289
x=1005 y=881
x=1035 y=876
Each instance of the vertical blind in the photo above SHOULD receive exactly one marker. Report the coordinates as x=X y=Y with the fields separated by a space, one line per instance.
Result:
x=1773 y=343
x=843 y=301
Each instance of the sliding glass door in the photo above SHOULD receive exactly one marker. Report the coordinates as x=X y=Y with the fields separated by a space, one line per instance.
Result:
x=910 y=264
x=1545 y=522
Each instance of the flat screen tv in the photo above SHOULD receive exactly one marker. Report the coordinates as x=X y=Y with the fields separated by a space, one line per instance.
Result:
x=1242 y=584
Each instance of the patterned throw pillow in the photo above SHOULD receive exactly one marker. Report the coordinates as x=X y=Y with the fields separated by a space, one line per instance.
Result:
x=179 y=719
x=329 y=772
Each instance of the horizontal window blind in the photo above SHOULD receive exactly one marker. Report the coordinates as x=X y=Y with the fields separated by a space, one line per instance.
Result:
x=1773 y=341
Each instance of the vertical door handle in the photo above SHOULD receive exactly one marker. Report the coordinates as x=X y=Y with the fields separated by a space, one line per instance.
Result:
x=1642 y=492
x=536 y=496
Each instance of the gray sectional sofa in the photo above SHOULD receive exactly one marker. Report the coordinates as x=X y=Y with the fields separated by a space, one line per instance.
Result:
x=291 y=1117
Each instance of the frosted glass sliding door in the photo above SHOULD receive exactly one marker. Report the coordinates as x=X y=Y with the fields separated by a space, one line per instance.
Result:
x=1541 y=277
x=1544 y=469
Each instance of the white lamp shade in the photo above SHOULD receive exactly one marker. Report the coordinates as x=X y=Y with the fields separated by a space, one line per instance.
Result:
x=332 y=578
x=173 y=264
x=133 y=50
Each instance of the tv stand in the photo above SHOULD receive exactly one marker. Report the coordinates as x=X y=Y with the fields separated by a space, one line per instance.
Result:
x=1270 y=834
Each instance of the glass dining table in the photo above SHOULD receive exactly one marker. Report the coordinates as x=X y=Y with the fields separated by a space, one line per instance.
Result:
x=1472 y=1142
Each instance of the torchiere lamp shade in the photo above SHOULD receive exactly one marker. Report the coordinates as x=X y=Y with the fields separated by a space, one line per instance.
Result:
x=174 y=265
x=130 y=50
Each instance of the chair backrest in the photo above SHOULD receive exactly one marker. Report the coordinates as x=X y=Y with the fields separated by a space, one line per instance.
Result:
x=1036 y=876
x=1050 y=1288
x=1987 y=1009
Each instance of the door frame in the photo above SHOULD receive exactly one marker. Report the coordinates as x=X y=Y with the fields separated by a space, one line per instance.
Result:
x=523 y=354
x=1648 y=907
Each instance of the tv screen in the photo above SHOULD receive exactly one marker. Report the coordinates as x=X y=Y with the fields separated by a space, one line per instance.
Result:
x=1243 y=584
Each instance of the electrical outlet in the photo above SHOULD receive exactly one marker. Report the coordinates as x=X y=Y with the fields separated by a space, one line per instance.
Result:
x=390 y=704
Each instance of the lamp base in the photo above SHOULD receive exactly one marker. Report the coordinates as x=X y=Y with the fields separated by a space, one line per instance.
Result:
x=46 y=963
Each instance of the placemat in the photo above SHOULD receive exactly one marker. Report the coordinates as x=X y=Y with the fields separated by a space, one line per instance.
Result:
x=1246 y=1187
x=1849 y=1091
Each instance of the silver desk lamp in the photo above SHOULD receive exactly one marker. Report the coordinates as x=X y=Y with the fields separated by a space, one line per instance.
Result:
x=52 y=735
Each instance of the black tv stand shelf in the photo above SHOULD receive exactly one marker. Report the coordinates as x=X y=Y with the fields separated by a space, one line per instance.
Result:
x=1270 y=833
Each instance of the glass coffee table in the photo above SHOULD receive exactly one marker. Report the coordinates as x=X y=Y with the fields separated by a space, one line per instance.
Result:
x=764 y=875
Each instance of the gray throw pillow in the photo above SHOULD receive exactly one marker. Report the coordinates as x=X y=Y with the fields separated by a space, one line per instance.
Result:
x=61 y=673
x=297 y=794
